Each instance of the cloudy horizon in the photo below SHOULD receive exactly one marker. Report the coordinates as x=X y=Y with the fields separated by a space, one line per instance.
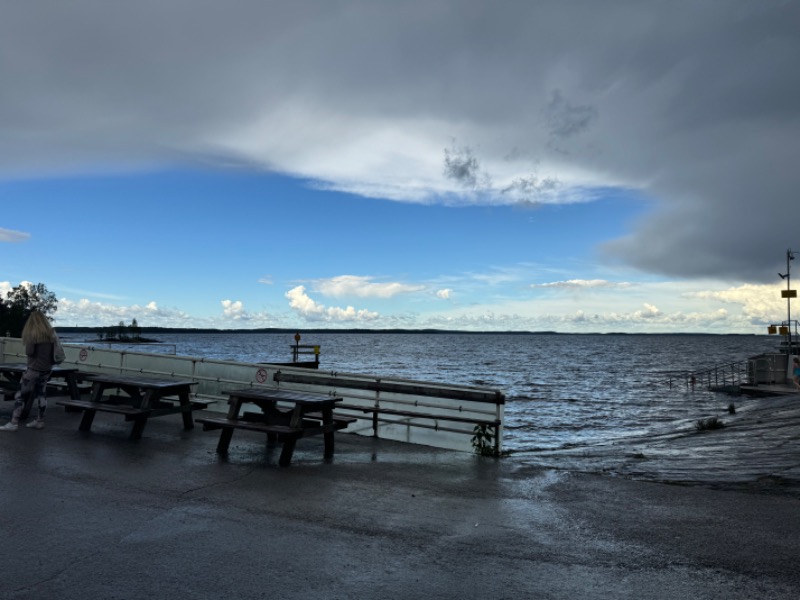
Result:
x=647 y=146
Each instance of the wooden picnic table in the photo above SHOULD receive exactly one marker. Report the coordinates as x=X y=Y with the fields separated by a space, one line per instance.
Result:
x=142 y=398
x=12 y=375
x=285 y=416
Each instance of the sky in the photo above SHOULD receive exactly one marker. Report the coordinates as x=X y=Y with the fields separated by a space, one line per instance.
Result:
x=549 y=165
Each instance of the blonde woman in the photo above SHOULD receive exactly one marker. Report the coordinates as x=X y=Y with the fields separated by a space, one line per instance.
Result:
x=39 y=337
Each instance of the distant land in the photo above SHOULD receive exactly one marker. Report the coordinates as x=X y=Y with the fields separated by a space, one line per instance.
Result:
x=157 y=330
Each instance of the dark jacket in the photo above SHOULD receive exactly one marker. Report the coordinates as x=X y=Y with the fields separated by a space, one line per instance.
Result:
x=40 y=356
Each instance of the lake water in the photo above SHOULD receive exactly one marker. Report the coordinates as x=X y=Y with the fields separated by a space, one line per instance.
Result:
x=588 y=402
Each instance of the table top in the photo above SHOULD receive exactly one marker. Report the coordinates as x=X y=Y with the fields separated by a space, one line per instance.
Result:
x=22 y=367
x=140 y=382
x=303 y=398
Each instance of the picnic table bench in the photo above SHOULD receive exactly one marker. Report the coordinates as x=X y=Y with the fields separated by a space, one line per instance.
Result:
x=307 y=414
x=142 y=398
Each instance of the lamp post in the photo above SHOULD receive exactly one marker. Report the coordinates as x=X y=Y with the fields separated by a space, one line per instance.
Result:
x=788 y=295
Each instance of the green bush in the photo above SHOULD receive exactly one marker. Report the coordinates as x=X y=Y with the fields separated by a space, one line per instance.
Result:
x=483 y=440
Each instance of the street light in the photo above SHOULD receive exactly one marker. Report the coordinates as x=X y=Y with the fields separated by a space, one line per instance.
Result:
x=789 y=293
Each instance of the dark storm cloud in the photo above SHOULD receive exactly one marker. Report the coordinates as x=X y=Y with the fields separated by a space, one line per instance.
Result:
x=565 y=120
x=531 y=189
x=697 y=104
x=461 y=165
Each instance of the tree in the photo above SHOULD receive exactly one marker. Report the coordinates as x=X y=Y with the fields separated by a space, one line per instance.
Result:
x=136 y=331
x=21 y=302
x=4 y=315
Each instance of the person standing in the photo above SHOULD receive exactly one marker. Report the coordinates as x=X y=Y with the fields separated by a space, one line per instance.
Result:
x=39 y=338
x=796 y=372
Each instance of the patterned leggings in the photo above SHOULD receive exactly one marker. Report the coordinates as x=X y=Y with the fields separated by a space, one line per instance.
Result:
x=33 y=383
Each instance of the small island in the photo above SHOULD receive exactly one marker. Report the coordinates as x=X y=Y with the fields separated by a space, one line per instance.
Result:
x=124 y=334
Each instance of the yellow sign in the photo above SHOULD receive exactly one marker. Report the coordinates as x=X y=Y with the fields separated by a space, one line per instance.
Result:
x=783 y=330
x=789 y=294
x=772 y=330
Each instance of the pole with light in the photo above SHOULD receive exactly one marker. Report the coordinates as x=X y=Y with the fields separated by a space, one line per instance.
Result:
x=788 y=293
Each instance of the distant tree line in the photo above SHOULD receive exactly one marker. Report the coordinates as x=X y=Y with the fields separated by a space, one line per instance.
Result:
x=20 y=302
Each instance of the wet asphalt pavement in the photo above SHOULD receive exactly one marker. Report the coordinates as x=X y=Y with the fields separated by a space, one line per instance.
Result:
x=99 y=516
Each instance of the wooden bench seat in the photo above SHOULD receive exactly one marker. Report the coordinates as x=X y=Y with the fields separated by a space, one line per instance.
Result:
x=341 y=421
x=173 y=404
x=137 y=415
x=281 y=432
x=162 y=406
x=309 y=419
x=196 y=403
x=275 y=433
x=63 y=387
x=130 y=412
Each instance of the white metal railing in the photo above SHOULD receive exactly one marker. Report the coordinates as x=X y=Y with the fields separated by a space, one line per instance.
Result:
x=215 y=377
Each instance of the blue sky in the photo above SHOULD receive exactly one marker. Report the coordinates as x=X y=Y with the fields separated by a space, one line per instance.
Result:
x=519 y=166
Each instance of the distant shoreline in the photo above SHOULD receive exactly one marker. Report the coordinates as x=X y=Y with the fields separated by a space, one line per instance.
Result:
x=164 y=330
x=126 y=342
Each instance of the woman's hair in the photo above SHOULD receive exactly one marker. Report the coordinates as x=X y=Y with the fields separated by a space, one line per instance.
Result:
x=37 y=329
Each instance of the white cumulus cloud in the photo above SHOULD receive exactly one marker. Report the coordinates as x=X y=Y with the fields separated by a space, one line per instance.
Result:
x=362 y=287
x=234 y=310
x=582 y=284
x=311 y=310
x=100 y=314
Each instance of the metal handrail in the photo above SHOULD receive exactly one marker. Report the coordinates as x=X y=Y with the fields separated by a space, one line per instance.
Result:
x=734 y=373
x=731 y=374
x=110 y=344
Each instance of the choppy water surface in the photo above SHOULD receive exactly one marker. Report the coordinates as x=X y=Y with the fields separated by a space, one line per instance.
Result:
x=575 y=400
